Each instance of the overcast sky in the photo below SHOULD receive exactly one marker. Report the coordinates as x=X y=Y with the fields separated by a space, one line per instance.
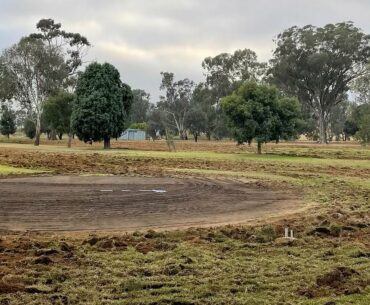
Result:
x=144 y=37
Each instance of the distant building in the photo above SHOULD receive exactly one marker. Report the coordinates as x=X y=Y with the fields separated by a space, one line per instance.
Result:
x=133 y=134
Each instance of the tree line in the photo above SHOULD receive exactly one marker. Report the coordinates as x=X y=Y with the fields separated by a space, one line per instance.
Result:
x=317 y=83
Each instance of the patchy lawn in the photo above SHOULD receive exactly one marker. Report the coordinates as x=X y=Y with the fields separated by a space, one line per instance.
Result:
x=328 y=263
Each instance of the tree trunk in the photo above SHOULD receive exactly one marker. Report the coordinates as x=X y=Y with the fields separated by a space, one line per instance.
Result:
x=181 y=134
x=38 y=131
x=195 y=137
x=106 y=142
x=208 y=135
x=259 y=148
x=53 y=135
x=322 y=128
x=60 y=136
x=69 y=140
x=8 y=135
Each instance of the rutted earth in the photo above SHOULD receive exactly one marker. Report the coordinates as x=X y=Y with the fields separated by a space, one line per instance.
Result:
x=72 y=203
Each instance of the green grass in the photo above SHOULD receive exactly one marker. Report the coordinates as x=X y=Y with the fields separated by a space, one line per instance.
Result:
x=203 y=267
x=201 y=155
x=239 y=265
x=10 y=170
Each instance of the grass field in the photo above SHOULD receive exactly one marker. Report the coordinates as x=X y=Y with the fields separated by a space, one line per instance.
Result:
x=328 y=262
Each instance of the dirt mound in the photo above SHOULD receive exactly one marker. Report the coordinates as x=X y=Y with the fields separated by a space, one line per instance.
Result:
x=340 y=281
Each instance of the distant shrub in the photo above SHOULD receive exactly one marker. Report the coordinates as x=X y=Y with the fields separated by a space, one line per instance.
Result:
x=29 y=128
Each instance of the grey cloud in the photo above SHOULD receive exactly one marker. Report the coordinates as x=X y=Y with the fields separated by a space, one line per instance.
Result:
x=144 y=37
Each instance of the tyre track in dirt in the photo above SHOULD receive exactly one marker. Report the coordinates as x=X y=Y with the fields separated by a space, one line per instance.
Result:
x=73 y=203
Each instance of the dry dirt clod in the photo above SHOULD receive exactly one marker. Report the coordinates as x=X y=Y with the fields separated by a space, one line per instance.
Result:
x=91 y=241
x=336 y=277
x=43 y=260
x=65 y=247
x=46 y=252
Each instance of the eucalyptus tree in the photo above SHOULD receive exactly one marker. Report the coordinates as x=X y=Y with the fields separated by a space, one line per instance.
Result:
x=226 y=72
x=140 y=106
x=318 y=64
x=203 y=101
x=361 y=88
x=39 y=65
x=176 y=101
x=36 y=73
x=72 y=47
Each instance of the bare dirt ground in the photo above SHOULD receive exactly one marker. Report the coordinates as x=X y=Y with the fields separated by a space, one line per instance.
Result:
x=72 y=203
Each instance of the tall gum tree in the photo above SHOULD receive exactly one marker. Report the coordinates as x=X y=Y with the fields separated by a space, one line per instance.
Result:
x=176 y=102
x=36 y=73
x=40 y=65
x=224 y=73
x=318 y=64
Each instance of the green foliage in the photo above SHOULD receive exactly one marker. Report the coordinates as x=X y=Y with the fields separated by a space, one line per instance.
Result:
x=361 y=88
x=102 y=104
x=204 y=99
x=7 y=121
x=350 y=128
x=58 y=111
x=7 y=81
x=196 y=121
x=142 y=126
x=318 y=64
x=29 y=128
x=71 y=46
x=34 y=71
x=140 y=106
x=176 y=102
x=337 y=119
x=363 y=121
x=156 y=127
x=226 y=72
x=40 y=65
x=256 y=112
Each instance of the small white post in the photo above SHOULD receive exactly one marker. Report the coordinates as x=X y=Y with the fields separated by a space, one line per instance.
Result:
x=291 y=234
x=286 y=232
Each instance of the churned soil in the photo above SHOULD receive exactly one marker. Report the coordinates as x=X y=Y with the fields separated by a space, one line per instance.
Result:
x=73 y=203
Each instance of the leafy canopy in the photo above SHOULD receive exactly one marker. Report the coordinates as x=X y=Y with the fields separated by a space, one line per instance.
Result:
x=7 y=121
x=58 y=111
x=257 y=112
x=317 y=64
x=102 y=103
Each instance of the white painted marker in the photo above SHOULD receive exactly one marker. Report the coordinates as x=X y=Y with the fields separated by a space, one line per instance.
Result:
x=153 y=191
x=159 y=191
